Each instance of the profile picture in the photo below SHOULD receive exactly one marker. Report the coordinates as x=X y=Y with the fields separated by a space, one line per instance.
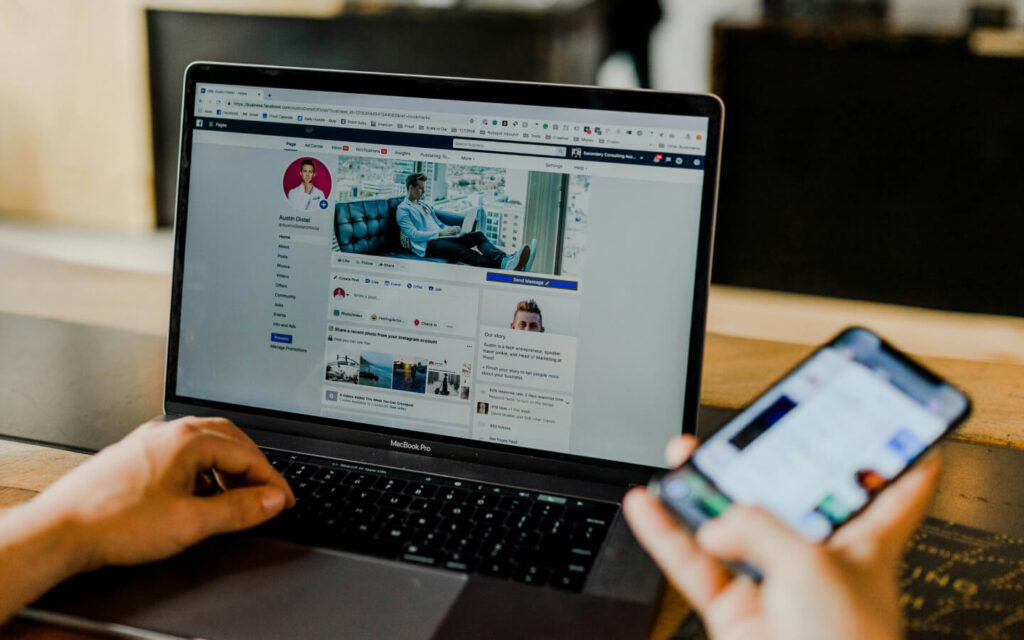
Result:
x=528 y=316
x=306 y=184
x=339 y=293
x=483 y=408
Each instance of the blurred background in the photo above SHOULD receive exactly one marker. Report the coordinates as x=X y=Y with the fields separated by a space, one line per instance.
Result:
x=872 y=147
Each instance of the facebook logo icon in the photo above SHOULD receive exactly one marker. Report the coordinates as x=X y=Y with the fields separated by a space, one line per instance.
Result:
x=300 y=118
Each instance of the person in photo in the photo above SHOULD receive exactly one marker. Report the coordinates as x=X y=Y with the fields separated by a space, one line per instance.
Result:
x=306 y=196
x=527 y=317
x=428 y=237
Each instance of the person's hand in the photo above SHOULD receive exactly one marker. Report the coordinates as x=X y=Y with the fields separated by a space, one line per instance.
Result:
x=843 y=589
x=449 y=231
x=135 y=501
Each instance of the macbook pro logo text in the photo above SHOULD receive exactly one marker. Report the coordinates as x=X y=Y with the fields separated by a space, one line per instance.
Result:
x=411 y=446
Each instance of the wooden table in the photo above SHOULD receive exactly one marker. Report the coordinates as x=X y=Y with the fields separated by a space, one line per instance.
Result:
x=753 y=338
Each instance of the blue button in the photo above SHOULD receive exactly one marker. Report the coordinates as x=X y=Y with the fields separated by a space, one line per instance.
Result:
x=323 y=204
x=283 y=338
x=533 y=281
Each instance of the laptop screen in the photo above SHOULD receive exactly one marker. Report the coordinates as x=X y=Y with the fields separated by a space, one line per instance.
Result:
x=329 y=269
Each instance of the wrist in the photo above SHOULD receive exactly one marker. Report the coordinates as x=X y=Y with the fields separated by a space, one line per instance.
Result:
x=37 y=551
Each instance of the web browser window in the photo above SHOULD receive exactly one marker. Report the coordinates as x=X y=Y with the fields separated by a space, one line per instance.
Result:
x=531 y=287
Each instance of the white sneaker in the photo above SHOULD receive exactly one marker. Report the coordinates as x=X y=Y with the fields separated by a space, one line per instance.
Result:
x=510 y=261
x=533 y=254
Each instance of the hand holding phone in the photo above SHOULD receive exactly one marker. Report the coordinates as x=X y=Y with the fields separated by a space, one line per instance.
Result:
x=844 y=589
x=893 y=411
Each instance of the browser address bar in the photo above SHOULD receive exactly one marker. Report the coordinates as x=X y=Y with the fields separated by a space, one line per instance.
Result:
x=509 y=147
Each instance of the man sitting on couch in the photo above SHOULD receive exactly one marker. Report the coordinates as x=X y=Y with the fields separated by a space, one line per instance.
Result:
x=428 y=237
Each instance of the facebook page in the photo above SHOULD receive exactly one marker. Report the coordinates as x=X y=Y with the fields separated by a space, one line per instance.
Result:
x=425 y=272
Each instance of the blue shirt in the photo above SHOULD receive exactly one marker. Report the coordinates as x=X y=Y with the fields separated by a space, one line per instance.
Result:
x=419 y=223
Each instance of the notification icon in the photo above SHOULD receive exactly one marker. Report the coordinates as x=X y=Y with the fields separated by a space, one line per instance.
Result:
x=658 y=157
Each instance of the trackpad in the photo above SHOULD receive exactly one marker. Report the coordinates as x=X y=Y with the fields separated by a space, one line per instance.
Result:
x=243 y=587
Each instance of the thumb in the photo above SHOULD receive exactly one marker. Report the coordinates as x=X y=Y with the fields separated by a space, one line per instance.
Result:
x=752 y=535
x=239 y=508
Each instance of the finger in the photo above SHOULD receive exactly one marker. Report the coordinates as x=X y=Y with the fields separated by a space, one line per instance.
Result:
x=890 y=521
x=679 y=449
x=752 y=535
x=247 y=464
x=697 y=576
x=237 y=509
x=224 y=427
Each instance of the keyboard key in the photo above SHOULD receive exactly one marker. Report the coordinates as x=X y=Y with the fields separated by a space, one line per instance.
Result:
x=547 y=509
x=457 y=561
x=327 y=474
x=364 y=496
x=299 y=470
x=452 y=527
x=496 y=568
x=333 y=492
x=305 y=487
x=496 y=518
x=463 y=544
x=568 y=581
x=452 y=496
x=394 y=501
x=425 y=506
x=423 y=521
x=395 y=534
x=417 y=555
x=522 y=522
x=389 y=485
x=482 y=500
x=391 y=517
x=360 y=480
x=420 y=490
x=489 y=532
x=457 y=511
x=556 y=527
x=517 y=505
x=531 y=574
x=429 y=540
x=360 y=511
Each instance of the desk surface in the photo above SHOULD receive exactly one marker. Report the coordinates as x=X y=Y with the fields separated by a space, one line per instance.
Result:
x=753 y=338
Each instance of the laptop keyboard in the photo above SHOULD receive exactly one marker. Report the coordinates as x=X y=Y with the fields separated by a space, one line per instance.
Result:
x=459 y=525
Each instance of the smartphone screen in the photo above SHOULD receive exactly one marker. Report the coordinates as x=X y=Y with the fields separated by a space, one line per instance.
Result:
x=820 y=443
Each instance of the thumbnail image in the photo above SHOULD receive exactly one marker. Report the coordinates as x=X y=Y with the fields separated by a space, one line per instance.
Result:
x=483 y=408
x=343 y=368
x=870 y=481
x=443 y=383
x=306 y=183
x=484 y=207
x=375 y=369
x=409 y=374
x=467 y=371
x=834 y=509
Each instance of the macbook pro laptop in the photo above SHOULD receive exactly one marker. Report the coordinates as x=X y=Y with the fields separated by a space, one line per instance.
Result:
x=459 y=437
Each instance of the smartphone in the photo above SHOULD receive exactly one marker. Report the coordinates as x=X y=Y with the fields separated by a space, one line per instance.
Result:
x=821 y=442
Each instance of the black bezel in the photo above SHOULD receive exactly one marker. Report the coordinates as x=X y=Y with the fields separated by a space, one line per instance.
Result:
x=499 y=92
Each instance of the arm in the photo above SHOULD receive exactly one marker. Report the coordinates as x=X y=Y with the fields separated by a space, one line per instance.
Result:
x=404 y=218
x=844 y=589
x=135 y=502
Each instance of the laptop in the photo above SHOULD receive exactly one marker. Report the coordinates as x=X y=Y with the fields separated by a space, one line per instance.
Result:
x=459 y=437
